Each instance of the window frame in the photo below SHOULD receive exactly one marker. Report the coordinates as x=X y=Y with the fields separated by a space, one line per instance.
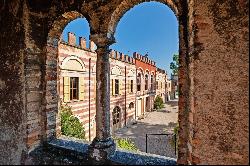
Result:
x=73 y=88
x=146 y=82
x=138 y=87
x=131 y=86
x=116 y=82
x=152 y=83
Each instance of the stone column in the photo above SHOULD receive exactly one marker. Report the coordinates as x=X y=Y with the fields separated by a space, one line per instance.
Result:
x=103 y=145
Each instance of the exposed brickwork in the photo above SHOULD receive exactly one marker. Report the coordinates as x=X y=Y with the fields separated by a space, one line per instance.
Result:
x=213 y=73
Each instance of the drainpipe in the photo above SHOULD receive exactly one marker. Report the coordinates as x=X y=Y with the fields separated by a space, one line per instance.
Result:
x=125 y=95
x=89 y=95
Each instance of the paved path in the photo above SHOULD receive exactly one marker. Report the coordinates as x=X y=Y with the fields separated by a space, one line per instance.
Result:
x=162 y=121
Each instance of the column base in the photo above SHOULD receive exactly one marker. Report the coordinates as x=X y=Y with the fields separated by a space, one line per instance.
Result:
x=100 y=151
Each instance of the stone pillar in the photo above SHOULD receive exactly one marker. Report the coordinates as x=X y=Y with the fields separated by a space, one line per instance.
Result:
x=103 y=145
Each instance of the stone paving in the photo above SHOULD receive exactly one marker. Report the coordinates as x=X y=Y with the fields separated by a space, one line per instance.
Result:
x=157 y=122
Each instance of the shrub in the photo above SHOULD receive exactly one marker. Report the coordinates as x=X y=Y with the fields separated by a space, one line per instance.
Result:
x=126 y=143
x=158 y=103
x=70 y=125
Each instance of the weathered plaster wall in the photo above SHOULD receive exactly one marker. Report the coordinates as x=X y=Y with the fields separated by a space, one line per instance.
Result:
x=12 y=114
x=219 y=72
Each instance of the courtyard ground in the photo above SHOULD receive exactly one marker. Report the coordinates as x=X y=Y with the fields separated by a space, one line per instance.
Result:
x=158 y=122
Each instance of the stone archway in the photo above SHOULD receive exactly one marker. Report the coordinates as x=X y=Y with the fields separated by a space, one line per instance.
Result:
x=126 y=5
x=51 y=99
x=212 y=33
x=180 y=10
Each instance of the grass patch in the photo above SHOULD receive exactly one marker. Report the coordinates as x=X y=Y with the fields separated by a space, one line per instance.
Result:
x=126 y=144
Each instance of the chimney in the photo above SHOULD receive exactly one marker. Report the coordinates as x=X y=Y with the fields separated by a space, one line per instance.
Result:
x=82 y=42
x=91 y=45
x=71 y=38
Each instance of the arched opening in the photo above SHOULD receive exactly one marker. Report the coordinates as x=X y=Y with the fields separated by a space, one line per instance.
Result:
x=131 y=105
x=146 y=82
x=146 y=96
x=116 y=118
x=66 y=72
x=152 y=82
x=139 y=81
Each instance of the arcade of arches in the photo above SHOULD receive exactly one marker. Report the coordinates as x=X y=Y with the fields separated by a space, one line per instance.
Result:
x=213 y=75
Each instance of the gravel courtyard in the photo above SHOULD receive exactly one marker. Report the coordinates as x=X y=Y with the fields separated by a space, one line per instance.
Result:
x=157 y=122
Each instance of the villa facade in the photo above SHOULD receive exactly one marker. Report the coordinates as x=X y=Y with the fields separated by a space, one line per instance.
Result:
x=134 y=84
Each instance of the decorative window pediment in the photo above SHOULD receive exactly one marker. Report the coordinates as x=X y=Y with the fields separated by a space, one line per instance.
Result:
x=131 y=73
x=116 y=71
x=73 y=63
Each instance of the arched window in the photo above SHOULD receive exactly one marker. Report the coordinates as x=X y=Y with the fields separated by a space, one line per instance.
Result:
x=72 y=72
x=116 y=115
x=152 y=82
x=146 y=82
x=131 y=105
x=138 y=82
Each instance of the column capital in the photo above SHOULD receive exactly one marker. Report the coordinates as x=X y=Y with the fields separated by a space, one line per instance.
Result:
x=102 y=40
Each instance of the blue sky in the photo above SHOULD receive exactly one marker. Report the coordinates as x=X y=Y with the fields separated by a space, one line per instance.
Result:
x=142 y=29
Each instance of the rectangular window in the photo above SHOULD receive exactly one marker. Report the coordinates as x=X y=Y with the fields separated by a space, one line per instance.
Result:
x=116 y=86
x=156 y=84
x=131 y=86
x=74 y=88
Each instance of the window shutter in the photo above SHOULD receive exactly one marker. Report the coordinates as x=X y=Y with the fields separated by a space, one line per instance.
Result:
x=66 y=89
x=113 y=87
x=81 y=88
x=120 y=86
x=128 y=87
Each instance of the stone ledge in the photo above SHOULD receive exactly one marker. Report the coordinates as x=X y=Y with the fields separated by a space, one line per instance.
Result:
x=141 y=158
x=71 y=151
x=69 y=143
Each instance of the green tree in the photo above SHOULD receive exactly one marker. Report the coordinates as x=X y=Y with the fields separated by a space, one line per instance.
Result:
x=158 y=103
x=71 y=125
x=175 y=64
